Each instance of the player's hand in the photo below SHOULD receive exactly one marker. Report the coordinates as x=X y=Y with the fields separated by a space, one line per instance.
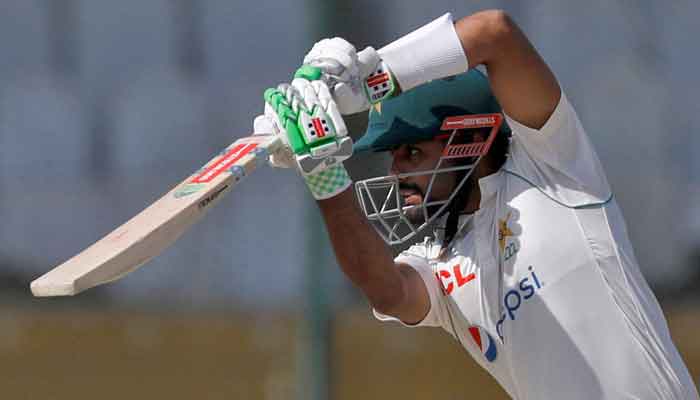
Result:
x=307 y=119
x=356 y=80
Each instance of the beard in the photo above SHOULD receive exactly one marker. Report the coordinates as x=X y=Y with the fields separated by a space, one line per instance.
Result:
x=414 y=196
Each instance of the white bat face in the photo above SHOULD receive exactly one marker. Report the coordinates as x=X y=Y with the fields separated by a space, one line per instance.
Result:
x=158 y=226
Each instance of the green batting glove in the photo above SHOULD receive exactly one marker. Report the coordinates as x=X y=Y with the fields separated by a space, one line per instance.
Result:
x=307 y=118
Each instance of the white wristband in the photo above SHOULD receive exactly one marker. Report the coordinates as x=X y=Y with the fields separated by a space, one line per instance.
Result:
x=431 y=52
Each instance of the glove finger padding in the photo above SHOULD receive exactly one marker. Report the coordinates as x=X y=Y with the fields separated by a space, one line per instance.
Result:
x=306 y=91
x=291 y=96
x=265 y=125
x=318 y=119
x=331 y=108
x=350 y=99
x=311 y=125
x=306 y=117
x=336 y=49
x=368 y=59
x=322 y=92
x=262 y=125
x=332 y=70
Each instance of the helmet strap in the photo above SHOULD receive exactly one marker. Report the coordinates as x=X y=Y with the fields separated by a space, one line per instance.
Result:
x=454 y=210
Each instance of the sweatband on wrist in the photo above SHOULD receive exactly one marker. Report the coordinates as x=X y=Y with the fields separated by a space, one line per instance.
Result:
x=329 y=182
x=431 y=52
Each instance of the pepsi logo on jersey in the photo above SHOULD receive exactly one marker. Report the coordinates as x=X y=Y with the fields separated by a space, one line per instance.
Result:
x=514 y=298
x=484 y=342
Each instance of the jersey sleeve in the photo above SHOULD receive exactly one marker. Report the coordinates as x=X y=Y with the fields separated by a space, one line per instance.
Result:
x=559 y=159
x=414 y=257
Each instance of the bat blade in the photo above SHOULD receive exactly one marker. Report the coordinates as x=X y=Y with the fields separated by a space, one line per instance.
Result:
x=158 y=226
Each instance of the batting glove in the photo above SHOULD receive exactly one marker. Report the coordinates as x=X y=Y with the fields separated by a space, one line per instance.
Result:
x=357 y=80
x=305 y=116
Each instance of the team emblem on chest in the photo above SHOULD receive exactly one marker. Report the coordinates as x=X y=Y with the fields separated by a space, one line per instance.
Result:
x=503 y=232
x=508 y=250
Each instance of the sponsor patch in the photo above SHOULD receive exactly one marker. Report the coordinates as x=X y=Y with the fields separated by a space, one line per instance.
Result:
x=465 y=125
x=517 y=297
x=484 y=342
x=187 y=189
x=450 y=280
x=225 y=162
x=207 y=200
x=471 y=121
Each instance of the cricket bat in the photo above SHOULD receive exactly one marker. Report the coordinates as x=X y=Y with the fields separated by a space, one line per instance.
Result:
x=154 y=229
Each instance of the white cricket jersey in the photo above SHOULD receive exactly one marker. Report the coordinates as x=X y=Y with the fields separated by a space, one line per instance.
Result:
x=542 y=287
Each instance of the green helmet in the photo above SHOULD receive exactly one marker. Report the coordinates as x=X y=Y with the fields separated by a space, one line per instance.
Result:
x=417 y=115
x=448 y=108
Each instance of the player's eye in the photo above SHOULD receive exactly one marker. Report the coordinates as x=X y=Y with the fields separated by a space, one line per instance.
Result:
x=413 y=152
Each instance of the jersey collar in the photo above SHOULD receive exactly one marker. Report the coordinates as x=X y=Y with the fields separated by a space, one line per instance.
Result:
x=464 y=225
x=488 y=186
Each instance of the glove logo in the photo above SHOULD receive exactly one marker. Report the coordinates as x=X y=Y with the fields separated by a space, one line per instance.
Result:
x=379 y=85
x=484 y=342
x=318 y=127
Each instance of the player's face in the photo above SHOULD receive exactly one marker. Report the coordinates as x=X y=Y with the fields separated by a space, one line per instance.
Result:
x=422 y=156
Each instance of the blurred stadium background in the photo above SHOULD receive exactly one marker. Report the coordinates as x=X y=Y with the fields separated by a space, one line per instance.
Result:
x=104 y=105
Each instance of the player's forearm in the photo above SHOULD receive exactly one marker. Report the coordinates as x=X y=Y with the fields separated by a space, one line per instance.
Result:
x=363 y=256
x=525 y=87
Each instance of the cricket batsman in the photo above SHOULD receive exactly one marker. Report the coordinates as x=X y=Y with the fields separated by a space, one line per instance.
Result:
x=522 y=254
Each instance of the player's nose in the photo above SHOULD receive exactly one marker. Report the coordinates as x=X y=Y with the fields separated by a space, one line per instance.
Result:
x=396 y=161
x=396 y=167
x=393 y=169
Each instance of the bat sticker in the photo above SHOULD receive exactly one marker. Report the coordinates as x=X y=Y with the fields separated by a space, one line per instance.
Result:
x=223 y=164
x=207 y=200
x=187 y=189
